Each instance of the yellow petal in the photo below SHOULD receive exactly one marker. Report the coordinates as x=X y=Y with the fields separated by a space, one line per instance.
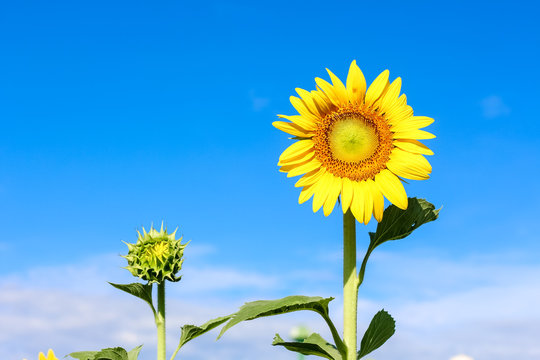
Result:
x=298 y=169
x=398 y=114
x=346 y=194
x=335 y=189
x=323 y=104
x=305 y=168
x=304 y=123
x=377 y=87
x=413 y=123
x=423 y=121
x=408 y=165
x=339 y=89
x=413 y=146
x=392 y=188
x=414 y=134
x=328 y=90
x=390 y=96
x=298 y=160
x=378 y=201
x=368 y=201
x=292 y=128
x=296 y=150
x=402 y=100
x=306 y=193
x=308 y=101
x=356 y=84
x=310 y=178
x=357 y=204
x=42 y=356
x=303 y=110
x=322 y=190
x=50 y=355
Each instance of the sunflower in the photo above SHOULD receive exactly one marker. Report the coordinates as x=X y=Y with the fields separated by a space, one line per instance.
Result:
x=50 y=356
x=355 y=143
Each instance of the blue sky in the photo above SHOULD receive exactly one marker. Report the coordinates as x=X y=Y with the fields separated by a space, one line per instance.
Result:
x=117 y=115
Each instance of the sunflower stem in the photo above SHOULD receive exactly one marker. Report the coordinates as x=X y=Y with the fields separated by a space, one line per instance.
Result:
x=160 y=321
x=350 y=285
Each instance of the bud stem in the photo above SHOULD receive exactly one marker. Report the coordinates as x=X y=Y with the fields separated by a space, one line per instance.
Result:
x=350 y=285
x=160 y=321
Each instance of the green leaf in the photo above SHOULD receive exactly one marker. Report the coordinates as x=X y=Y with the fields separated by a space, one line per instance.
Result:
x=107 y=354
x=256 y=309
x=133 y=354
x=381 y=328
x=142 y=291
x=116 y=353
x=312 y=345
x=83 y=355
x=190 y=332
x=398 y=224
x=262 y=308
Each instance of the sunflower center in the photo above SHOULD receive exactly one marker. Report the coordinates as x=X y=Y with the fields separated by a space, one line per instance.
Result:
x=352 y=139
x=159 y=250
x=353 y=142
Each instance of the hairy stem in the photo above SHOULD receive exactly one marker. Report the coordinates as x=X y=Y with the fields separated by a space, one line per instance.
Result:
x=160 y=322
x=350 y=285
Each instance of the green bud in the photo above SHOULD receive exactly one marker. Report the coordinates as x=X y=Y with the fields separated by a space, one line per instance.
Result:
x=156 y=257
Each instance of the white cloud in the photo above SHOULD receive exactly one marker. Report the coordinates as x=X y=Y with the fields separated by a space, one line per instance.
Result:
x=493 y=106
x=486 y=309
x=461 y=357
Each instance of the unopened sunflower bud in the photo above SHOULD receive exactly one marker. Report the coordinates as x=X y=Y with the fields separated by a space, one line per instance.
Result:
x=156 y=257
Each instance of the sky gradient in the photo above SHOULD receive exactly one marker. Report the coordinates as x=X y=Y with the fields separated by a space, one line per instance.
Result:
x=118 y=115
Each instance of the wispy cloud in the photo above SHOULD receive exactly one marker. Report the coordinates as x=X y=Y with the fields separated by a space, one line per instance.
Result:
x=461 y=357
x=493 y=106
x=486 y=309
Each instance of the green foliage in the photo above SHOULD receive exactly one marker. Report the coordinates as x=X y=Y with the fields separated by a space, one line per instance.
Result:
x=116 y=353
x=142 y=291
x=83 y=355
x=133 y=354
x=398 y=224
x=381 y=328
x=312 y=345
x=262 y=308
x=190 y=332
